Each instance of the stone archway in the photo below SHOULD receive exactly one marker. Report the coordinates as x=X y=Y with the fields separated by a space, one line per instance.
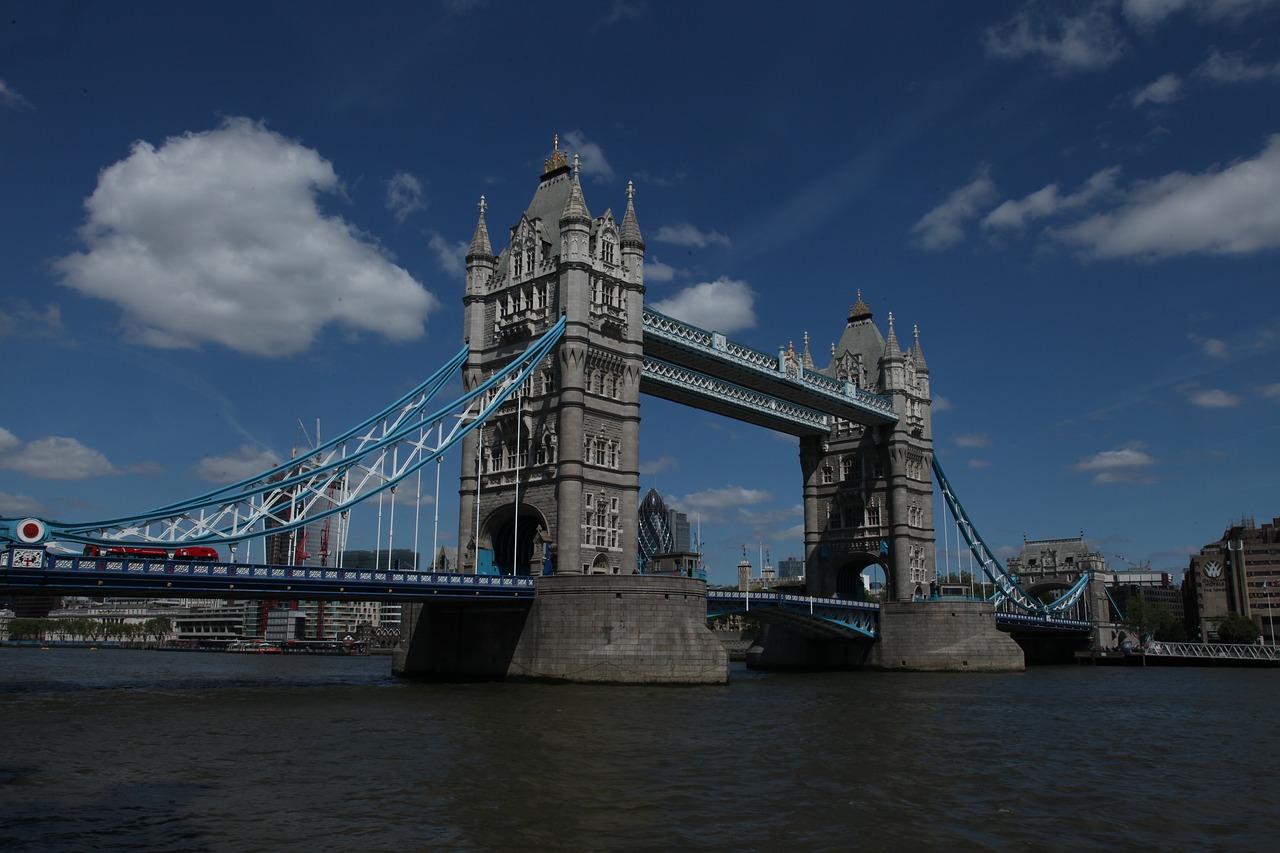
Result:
x=849 y=582
x=512 y=557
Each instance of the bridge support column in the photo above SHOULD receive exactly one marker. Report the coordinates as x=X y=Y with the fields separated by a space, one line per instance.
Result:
x=943 y=636
x=620 y=629
x=458 y=641
x=778 y=647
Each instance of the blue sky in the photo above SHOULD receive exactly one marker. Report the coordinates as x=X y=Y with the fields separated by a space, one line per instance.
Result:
x=224 y=223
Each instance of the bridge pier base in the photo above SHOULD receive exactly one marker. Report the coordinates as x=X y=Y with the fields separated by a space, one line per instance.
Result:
x=779 y=647
x=943 y=636
x=621 y=629
x=630 y=629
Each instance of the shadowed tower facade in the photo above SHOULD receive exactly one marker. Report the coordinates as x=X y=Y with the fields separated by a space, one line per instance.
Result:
x=869 y=489
x=550 y=484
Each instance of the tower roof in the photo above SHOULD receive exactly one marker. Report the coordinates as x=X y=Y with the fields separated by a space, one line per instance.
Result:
x=917 y=355
x=480 y=246
x=630 y=231
x=575 y=206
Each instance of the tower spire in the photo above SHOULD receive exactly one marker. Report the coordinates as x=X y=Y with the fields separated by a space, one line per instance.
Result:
x=630 y=231
x=480 y=246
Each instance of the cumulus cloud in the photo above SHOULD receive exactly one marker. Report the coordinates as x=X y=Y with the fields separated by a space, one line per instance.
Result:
x=1081 y=42
x=655 y=270
x=973 y=439
x=943 y=226
x=1147 y=13
x=1123 y=465
x=217 y=237
x=18 y=506
x=1209 y=398
x=21 y=320
x=404 y=195
x=1221 y=211
x=452 y=257
x=1211 y=347
x=1165 y=89
x=685 y=234
x=591 y=157
x=728 y=497
x=1236 y=68
x=52 y=458
x=11 y=99
x=657 y=466
x=723 y=305
x=242 y=463
x=1049 y=201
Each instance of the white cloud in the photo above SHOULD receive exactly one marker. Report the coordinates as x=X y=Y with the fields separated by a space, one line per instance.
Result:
x=11 y=99
x=1047 y=202
x=18 y=506
x=404 y=195
x=1210 y=398
x=242 y=463
x=216 y=237
x=1147 y=13
x=591 y=157
x=1211 y=347
x=655 y=270
x=451 y=256
x=979 y=463
x=24 y=321
x=943 y=226
x=973 y=439
x=685 y=234
x=1231 y=211
x=657 y=466
x=1083 y=42
x=1235 y=68
x=1123 y=465
x=723 y=305
x=1271 y=392
x=52 y=458
x=729 y=497
x=1165 y=89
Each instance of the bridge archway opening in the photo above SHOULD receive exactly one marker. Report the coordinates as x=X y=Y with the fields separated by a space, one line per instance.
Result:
x=526 y=556
x=850 y=584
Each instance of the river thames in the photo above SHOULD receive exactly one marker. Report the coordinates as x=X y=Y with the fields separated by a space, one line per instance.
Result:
x=130 y=750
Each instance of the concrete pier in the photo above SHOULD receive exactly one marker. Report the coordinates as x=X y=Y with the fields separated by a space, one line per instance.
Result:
x=622 y=629
x=943 y=636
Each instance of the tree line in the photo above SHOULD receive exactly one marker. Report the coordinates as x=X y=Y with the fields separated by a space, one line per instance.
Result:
x=155 y=629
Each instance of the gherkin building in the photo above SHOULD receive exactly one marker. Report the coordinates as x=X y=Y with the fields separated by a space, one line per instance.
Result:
x=656 y=536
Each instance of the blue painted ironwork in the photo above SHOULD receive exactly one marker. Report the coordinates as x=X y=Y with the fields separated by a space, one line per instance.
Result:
x=728 y=398
x=34 y=570
x=831 y=617
x=1008 y=590
x=785 y=379
x=364 y=461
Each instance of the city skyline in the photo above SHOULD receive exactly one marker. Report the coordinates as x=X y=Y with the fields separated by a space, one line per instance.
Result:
x=232 y=228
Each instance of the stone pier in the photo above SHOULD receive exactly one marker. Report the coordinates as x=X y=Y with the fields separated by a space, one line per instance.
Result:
x=622 y=629
x=943 y=636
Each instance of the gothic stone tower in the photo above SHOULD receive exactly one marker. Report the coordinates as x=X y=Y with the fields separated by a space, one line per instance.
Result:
x=868 y=490
x=570 y=445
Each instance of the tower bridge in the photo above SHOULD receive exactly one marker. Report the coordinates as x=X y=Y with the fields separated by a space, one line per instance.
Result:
x=558 y=351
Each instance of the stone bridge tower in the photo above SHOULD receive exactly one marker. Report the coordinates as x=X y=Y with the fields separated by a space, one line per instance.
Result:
x=566 y=452
x=869 y=490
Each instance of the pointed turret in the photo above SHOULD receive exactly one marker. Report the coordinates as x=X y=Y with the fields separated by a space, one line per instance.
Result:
x=891 y=348
x=480 y=246
x=630 y=232
x=917 y=355
x=575 y=208
x=480 y=260
x=807 y=359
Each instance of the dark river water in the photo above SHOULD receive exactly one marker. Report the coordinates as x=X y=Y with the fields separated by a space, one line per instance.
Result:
x=126 y=750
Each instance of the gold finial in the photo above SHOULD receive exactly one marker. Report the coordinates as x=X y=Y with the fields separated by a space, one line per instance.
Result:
x=860 y=309
x=557 y=158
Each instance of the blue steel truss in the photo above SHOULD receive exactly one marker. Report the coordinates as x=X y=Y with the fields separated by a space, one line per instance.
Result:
x=370 y=458
x=1009 y=593
x=824 y=617
x=711 y=353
